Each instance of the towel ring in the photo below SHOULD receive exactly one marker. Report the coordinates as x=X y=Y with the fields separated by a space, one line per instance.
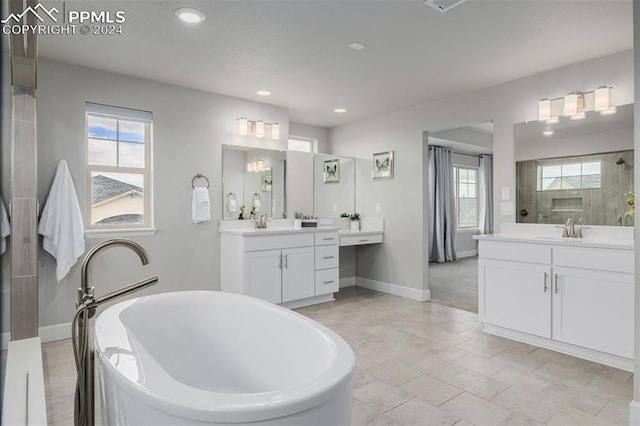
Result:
x=231 y=196
x=199 y=176
x=256 y=197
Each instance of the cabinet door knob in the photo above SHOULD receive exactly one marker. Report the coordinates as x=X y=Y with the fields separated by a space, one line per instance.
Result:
x=546 y=286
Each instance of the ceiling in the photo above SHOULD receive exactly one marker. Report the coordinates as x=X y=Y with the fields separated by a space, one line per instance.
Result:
x=299 y=50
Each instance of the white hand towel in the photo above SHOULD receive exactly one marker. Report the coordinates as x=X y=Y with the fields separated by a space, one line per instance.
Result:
x=61 y=222
x=5 y=229
x=200 y=206
x=232 y=206
x=256 y=205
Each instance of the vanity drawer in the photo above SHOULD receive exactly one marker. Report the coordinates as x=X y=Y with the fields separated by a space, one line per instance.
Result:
x=327 y=238
x=354 y=240
x=271 y=242
x=522 y=252
x=327 y=281
x=593 y=258
x=327 y=257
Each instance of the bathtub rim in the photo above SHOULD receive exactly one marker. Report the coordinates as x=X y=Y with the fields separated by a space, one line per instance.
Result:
x=228 y=407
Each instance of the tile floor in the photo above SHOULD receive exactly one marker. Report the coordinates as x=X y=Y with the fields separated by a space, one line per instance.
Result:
x=427 y=364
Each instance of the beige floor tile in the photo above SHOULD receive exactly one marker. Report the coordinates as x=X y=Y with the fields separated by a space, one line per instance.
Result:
x=476 y=334
x=361 y=377
x=463 y=423
x=479 y=364
x=518 y=420
x=430 y=390
x=569 y=376
x=381 y=396
x=383 y=420
x=483 y=349
x=610 y=389
x=438 y=369
x=478 y=384
x=585 y=401
x=615 y=413
x=449 y=339
x=418 y=412
x=534 y=406
x=572 y=417
x=394 y=372
x=606 y=372
x=476 y=410
x=520 y=359
x=556 y=357
x=521 y=379
x=362 y=415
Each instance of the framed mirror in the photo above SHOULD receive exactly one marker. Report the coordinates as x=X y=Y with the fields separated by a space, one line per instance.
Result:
x=576 y=169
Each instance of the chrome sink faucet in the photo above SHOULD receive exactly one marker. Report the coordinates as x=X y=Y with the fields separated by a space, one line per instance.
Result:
x=571 y=230
x=262 y=222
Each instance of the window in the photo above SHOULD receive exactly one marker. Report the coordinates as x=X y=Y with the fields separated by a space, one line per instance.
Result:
x=569 y=176
x=466 y=188
x=118 y=167
x=302 y=144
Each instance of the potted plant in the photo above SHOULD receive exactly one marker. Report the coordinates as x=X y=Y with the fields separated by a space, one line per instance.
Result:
x=355 y=222
x=297 y=221
x=241 y=215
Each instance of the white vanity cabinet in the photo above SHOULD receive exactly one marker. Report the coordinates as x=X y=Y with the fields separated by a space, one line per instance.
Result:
x=571 y=298
x=294 y=268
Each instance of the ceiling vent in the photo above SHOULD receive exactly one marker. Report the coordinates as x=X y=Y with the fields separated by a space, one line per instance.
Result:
x=443 y=5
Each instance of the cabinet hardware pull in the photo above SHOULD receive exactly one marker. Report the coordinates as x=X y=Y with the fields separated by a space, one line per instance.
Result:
x=286 y=260
x=363 y=241
x=555 y=281
x=546 y=287
x=328 y=282
x=328 y=239
x=280 y=262
x=329 y=257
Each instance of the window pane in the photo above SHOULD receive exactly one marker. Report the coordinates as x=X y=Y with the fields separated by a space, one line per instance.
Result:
x=571 y=182
x=103 y=127
x=571 y=169
x=462 y=190
x=551 y=171
x=103 y=152
x=299 y=145
x=117 y=198
x=463 y=175
x=472 y=190
x=591 y=168
x=131 y=154
x=468 y=212
x=591 y=181
x=131 y=131
x=473 y=176
x=550 y=183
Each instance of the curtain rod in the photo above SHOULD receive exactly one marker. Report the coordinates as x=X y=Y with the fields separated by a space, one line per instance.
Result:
x=456 y=152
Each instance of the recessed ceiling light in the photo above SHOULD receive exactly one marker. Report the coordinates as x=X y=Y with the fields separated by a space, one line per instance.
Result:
x=263 y=93
x=548 y=132
x=356 y=46
x=340 y=110
x=191 y=16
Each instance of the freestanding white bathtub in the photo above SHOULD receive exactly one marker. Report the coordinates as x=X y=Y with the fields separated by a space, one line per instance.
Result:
x=205 y=357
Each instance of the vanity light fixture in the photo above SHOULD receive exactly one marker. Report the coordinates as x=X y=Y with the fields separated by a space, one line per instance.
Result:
x=257 y=128
x=257 y=166
x=189 y=15
x=576 y=104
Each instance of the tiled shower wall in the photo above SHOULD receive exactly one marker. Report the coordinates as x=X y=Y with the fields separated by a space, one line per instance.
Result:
x=598 y=206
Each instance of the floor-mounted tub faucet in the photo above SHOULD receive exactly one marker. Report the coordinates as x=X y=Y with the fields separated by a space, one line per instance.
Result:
x=82 y=327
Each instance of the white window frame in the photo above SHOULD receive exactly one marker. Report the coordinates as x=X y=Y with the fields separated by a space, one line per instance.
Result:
x=561 y=177
x=145 y=228
x=313 y=143
x=456 y=174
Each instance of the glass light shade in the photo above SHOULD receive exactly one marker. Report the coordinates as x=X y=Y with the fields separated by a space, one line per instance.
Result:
x=608 y=111
x=261 y=165
x=260 y=129
x=544 y=109
x=242 y=126
x=275 y=131
x=254 y=166
x=602 y=98
x=570 y=104
x=249 y=166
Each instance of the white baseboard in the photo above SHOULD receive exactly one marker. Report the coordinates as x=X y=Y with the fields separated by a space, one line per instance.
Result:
x=466 y=253
x=347 y=282
x=50 y=333
x=396 y=290
x=634 y=413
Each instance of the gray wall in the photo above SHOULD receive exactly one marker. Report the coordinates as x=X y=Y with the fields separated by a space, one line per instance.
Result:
x=312 y=132
x=189 y=128
x=401 y=260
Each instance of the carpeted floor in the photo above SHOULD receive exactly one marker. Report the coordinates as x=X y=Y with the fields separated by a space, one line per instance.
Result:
x=455 y=284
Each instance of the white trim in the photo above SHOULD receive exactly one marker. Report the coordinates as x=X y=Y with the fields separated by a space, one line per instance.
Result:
x=49 y=333
x=120 y=232
x=634 y=413
x=397 y=290
x=347 y=282
x=314 y=300
x=565 y=348
x=467 y=253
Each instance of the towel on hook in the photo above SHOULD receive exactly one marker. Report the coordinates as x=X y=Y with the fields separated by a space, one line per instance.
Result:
x=5 y=229
x=61 y=222
x=256 y=205
x=200 y=206
x=232 y=205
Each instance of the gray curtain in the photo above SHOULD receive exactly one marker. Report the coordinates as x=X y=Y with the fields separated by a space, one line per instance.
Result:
x=442 y=220
x=486 y=194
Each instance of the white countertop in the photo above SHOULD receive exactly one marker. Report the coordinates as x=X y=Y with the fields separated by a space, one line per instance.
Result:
x=562 y=241
x=277 y=231
x=348 y=232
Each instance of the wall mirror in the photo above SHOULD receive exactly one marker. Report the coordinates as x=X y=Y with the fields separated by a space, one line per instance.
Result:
x=576 y=169
x=334 y=185
x=253 y=178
